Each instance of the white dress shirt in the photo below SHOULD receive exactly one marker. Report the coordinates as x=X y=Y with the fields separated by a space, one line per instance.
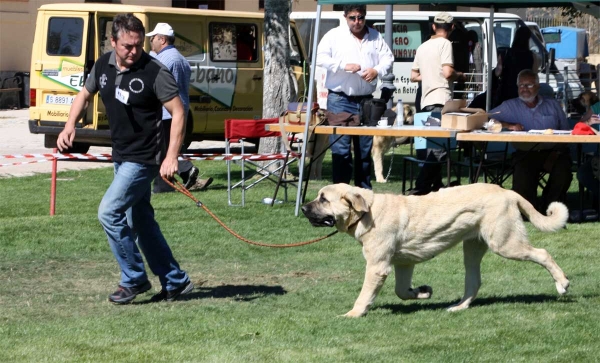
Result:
x=340 y=47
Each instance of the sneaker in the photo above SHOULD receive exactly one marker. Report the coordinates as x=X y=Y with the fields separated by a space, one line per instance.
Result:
x=201 y=184
x=172 y=295
x=189 y=178
x=124 y=295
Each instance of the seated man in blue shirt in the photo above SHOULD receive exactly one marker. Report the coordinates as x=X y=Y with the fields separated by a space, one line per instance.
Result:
x=531 y=111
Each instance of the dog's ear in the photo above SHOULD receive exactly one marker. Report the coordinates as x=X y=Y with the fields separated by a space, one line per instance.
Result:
x=357 y=201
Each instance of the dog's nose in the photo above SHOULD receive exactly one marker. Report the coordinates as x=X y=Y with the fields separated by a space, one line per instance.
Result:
x=304 y=208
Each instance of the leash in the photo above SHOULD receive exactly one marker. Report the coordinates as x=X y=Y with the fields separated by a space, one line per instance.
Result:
x=391 y=161
x=180 y=188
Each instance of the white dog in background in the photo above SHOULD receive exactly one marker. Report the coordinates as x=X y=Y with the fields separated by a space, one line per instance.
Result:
x=381 y=145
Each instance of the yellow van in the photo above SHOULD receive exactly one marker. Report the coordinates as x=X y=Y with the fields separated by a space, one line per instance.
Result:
x=224 y=49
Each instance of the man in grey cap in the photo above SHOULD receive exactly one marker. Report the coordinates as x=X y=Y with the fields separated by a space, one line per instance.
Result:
x=434 y=68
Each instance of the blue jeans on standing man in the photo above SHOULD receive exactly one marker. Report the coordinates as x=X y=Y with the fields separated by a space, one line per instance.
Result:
x=341 y=155
x=128 y=220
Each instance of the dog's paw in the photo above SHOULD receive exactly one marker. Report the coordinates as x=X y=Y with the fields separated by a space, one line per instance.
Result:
x=381 y=180
x=457 y=307
x=562 y=287
x=355 y=314
x=423 y=292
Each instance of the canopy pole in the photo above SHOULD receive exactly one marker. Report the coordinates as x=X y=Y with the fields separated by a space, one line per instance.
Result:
x=389 y=38
x=490 y=49
x=311 y=86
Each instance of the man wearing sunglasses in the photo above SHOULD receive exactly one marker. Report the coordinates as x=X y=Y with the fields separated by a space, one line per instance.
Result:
x=531 y=111
x=354 y=55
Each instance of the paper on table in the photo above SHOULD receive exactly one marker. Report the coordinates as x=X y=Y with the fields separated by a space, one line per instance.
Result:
x=555 y=132
x=458 y=113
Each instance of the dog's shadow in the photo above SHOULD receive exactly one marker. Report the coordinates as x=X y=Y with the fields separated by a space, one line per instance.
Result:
x=408 y=307
x=236 y=292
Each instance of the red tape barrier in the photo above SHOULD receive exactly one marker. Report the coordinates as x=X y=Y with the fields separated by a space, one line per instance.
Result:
x=107 y=157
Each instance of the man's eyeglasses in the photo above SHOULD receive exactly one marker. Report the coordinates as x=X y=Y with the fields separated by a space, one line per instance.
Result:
x=356 y=17
x=526 y=85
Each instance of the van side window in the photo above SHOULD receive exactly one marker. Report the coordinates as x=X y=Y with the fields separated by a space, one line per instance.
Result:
x=406 y=37
x=65 y=36
x=105 y=27
x=233 y=42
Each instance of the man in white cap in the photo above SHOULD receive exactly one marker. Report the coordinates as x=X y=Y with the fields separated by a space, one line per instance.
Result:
x=162 y=39
x=434 y=68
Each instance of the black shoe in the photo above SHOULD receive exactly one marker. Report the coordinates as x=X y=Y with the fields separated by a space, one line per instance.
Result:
x=417 y=192
x=189 y=178
x=124 y=295
x=173 y=295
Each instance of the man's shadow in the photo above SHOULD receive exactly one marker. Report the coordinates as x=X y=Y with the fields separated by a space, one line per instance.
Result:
x=411 y=307
x=236 y=292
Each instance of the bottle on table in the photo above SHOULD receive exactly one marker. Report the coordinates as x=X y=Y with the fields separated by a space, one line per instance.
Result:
x=399 y=114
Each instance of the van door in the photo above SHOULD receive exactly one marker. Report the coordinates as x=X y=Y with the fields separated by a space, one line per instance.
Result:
x=104 y=22
x=63 y=63
x=234 y=71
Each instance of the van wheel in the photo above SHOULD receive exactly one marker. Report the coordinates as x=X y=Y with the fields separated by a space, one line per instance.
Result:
x=78 y=147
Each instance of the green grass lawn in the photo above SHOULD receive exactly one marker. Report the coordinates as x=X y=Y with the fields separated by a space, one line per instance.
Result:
x=255 y=304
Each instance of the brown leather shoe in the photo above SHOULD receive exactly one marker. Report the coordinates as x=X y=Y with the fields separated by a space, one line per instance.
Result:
x=201 y=184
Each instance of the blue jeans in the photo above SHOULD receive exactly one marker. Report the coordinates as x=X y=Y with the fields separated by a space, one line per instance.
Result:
x=128 y=220
x=341 y=155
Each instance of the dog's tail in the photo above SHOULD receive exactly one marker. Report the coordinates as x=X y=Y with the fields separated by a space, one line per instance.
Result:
x=555 y=218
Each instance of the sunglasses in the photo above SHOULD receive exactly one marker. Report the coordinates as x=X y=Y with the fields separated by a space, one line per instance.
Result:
x=357 y=17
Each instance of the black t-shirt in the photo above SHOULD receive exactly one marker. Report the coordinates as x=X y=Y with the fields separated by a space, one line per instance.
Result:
x=135 y=126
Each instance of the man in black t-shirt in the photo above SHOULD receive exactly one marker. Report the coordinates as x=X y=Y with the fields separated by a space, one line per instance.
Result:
x=134 y=87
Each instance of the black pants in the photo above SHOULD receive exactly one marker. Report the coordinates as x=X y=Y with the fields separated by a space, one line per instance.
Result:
x=528 y=166
x=183 y=165
x=430 y=176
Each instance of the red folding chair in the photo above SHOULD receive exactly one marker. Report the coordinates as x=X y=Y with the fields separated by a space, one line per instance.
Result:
x=239 y=131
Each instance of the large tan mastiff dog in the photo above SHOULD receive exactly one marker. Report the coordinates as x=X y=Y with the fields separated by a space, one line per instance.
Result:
x=400 y=231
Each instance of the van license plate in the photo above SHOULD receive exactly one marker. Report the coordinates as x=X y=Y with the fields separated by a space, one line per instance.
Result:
x=59 y=100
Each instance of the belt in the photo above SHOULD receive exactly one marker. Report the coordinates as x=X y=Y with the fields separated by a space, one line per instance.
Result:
x=355 y=98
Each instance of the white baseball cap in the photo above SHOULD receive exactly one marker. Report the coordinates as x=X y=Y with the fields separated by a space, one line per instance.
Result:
x=162 y=29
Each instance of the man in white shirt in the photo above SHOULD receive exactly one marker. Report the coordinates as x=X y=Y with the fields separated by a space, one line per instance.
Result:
x=434 y=68
x=354 y=55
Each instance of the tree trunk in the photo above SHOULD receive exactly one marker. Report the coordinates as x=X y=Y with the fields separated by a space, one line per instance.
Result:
x=277 y=87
